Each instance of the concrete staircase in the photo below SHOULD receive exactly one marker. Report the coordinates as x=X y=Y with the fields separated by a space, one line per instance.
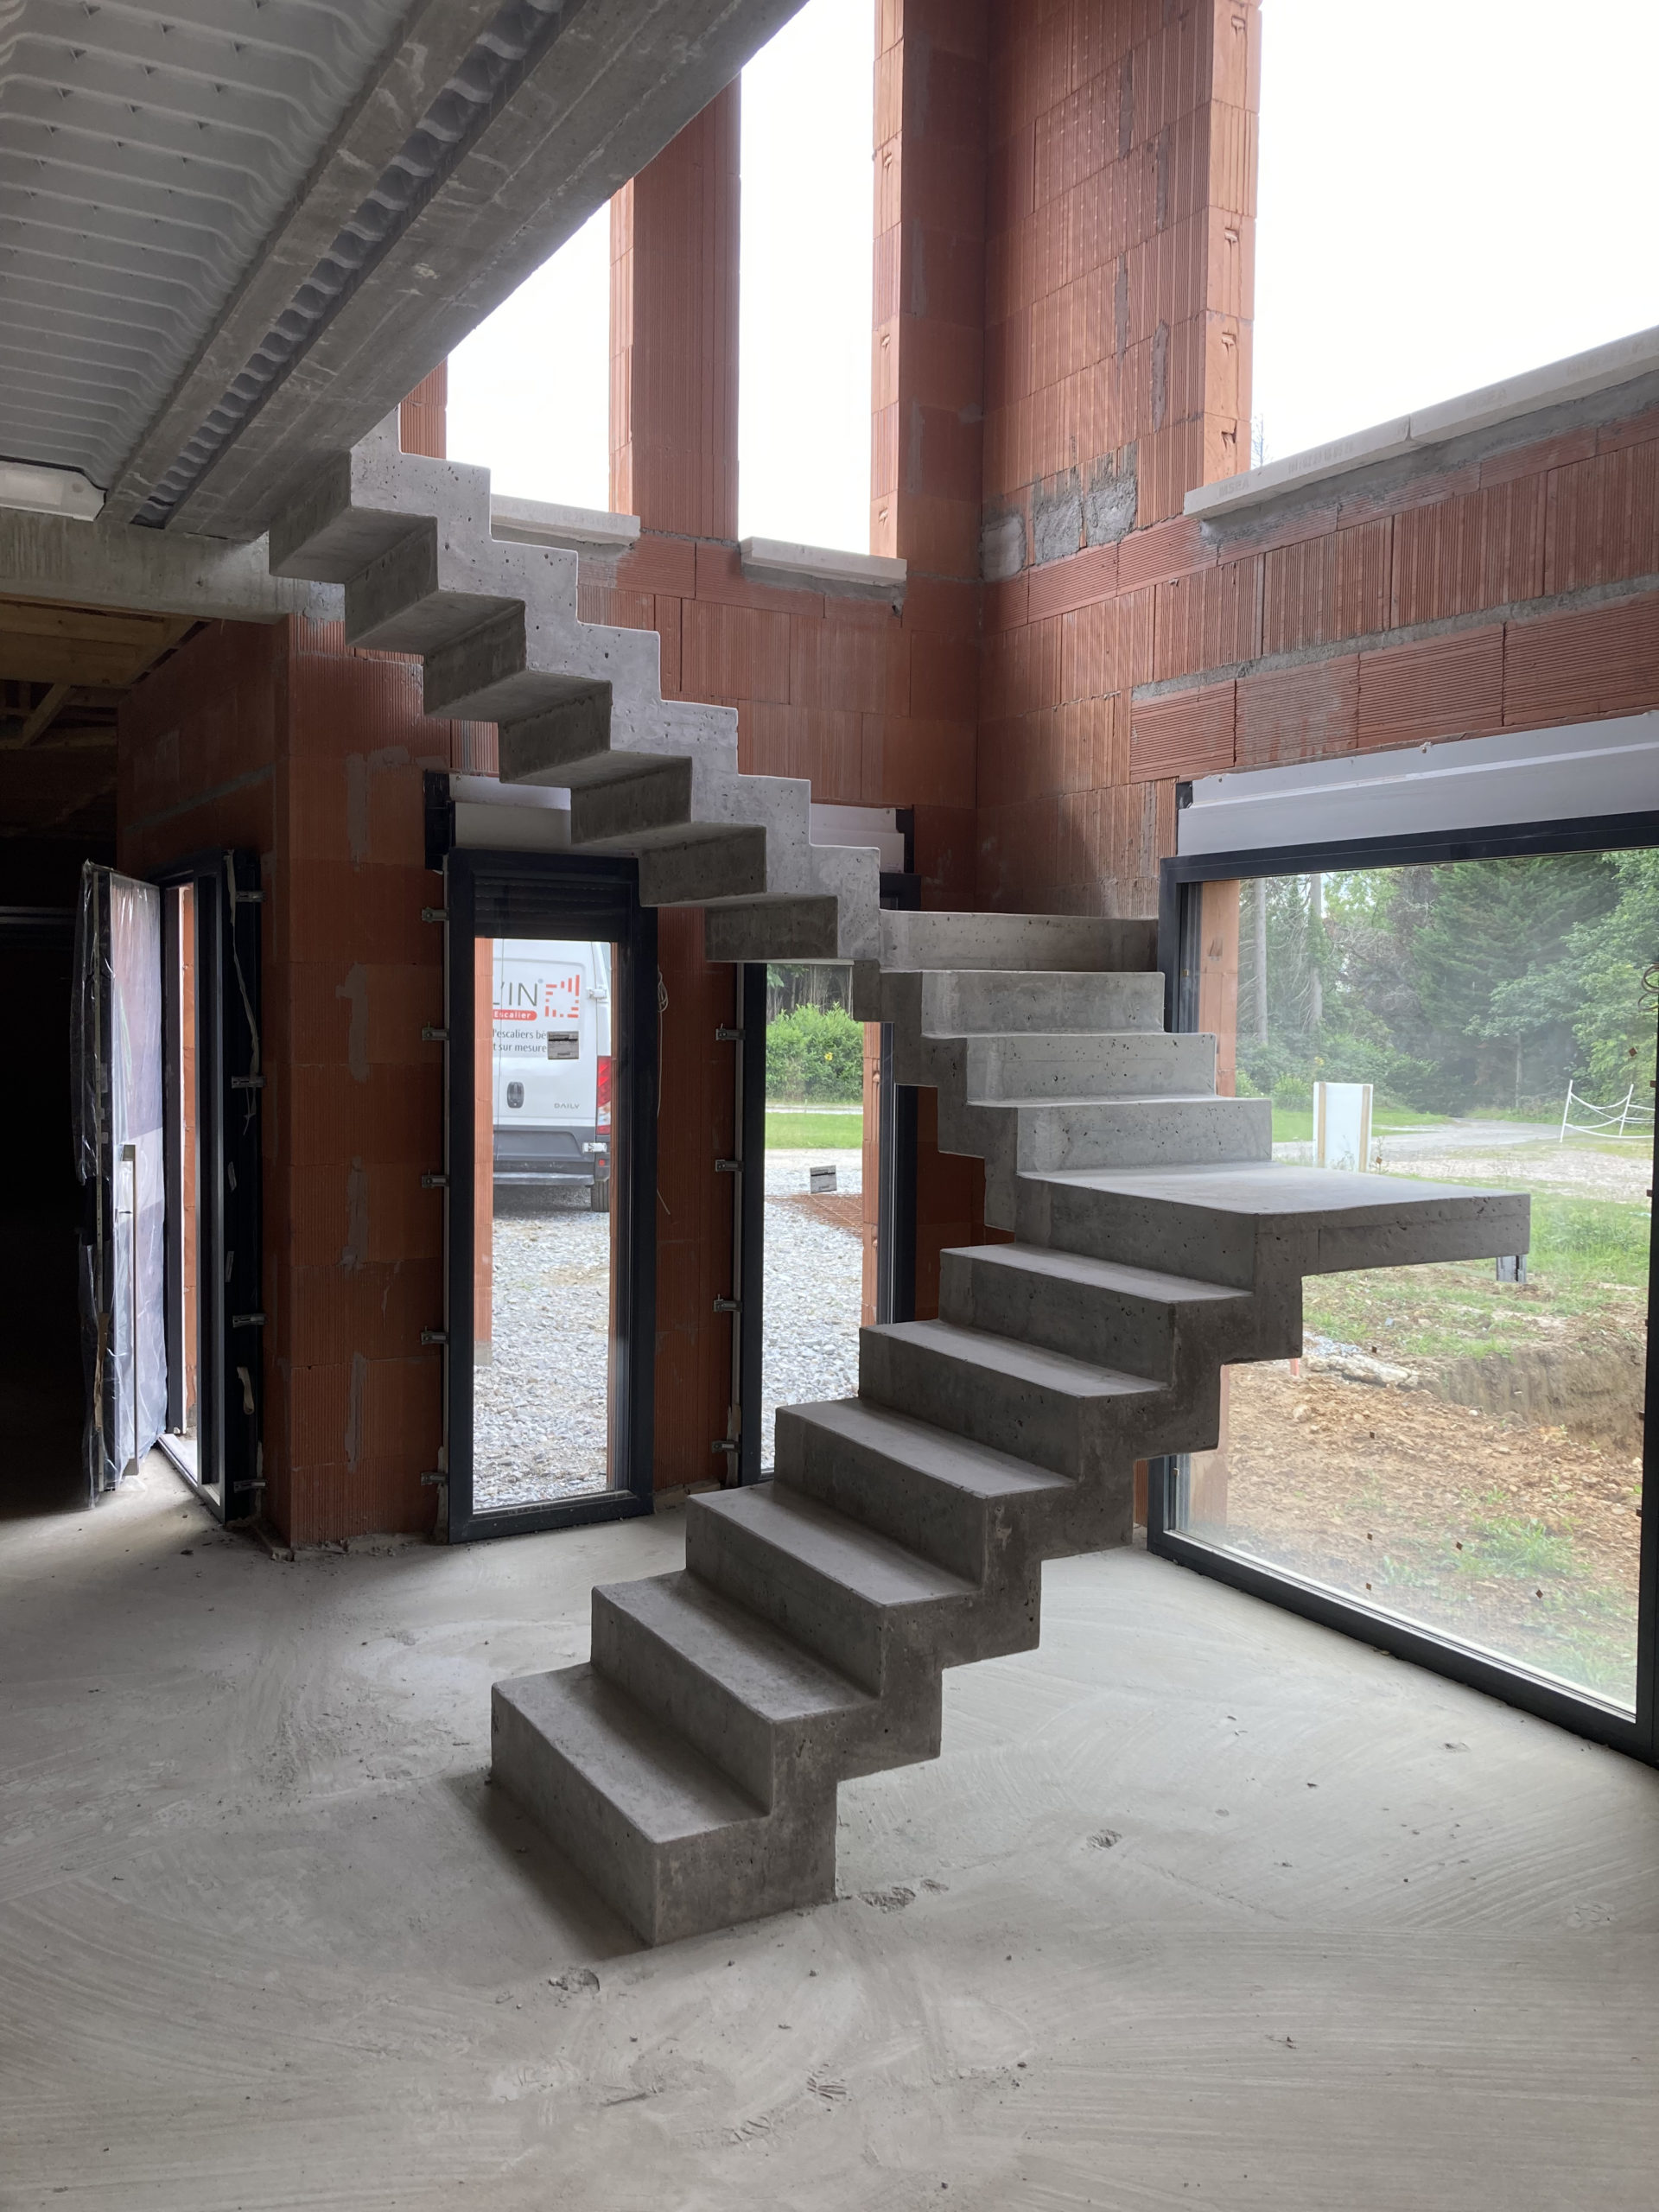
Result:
x=691 y=1767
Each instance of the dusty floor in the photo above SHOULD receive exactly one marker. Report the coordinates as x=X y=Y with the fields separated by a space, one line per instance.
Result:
x=1202 y=1904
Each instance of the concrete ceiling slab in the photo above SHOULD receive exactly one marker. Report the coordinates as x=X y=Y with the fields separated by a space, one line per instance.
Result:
x=233 y=234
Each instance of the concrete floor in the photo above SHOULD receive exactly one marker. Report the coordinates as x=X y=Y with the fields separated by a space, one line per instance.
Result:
x=1202 y=1904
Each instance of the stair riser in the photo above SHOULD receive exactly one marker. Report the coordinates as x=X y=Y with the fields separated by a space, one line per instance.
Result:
x=992 y=1004
x=1026 y=942
x=665 y=1892
x=1119 y=1065
x=778 y=1763
x=777 y=929
x=1014 y=1535
x=1153 y=1134
x=1091 y=1441
x=730 y=864
x=1110 y=1328
x=739 y=1741
x=887 y=1650
x=946 y=1525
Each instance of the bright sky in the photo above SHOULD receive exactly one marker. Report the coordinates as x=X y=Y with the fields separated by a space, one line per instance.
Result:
x=1450 y=191
x=529 y=390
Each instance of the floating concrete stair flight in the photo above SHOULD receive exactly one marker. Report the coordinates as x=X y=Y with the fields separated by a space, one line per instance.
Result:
x=691 y=1767
x=579 y=704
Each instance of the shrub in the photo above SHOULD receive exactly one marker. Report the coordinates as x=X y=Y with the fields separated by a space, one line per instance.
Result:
x=815 y=1056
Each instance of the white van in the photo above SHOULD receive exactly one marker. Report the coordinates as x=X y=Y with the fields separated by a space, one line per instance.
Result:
x=552 y=1065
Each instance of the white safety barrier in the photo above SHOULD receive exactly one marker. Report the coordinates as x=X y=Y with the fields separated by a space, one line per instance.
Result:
x=1614 y=1121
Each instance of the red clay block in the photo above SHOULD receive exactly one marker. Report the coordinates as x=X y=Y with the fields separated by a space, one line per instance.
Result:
x=656 y=564
x=1169 y=548
x=1190 y=734
x=1299 y=714
x=1604 y=519
x=735 y=652
x=1602 y=660
x=1437 y=687
x=1483 y=548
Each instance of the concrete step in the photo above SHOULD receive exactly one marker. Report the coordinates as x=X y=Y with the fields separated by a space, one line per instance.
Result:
x=1043 y=1407
x=656 y=1826
x=938 y=1494
x=990 y=1001
x=1137 y=1132
x=864 y=1604
x=935 y=939
x=763 y=1711
x=1132 y=1064
x=1264 y=1227
x=1129 y=1319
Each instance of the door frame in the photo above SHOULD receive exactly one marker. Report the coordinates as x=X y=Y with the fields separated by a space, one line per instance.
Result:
x=490 y=893
x=229 y=1476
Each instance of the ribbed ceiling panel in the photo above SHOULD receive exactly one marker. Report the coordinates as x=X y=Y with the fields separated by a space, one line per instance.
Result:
x=144 y=154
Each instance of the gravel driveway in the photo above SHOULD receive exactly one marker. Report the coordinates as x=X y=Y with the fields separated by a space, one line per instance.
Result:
x=539 y=1414
x=814 y=1290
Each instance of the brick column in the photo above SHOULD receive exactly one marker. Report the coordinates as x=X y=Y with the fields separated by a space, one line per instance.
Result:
x=673 y=252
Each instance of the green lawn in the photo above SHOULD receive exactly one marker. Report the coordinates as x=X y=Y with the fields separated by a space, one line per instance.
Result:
x=1295 y=1125
x=1589 y=1258
x=821 y=1132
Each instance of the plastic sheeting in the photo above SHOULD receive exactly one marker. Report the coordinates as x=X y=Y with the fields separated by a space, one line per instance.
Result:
x=116 y=1051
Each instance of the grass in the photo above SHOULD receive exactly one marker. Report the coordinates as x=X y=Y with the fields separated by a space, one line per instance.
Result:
x=1295 y=1125
x=1589 y=1256
x=807 y=1131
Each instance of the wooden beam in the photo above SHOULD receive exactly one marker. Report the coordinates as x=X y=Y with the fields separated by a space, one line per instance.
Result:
x=41 y=718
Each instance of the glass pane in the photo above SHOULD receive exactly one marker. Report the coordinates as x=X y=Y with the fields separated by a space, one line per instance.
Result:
x=1459 y=1443
x=183 y=1178
x=822 y=1070
x=543 y=1258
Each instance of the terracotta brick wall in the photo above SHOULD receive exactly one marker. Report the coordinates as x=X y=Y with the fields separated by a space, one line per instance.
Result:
x=1118 y=301
x=282 y=740
x=1515 y=587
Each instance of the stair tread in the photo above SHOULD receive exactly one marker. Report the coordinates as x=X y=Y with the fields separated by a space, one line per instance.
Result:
x=1163 y=1099
x=763 y=1669
x=975 y=1468
x=1266 y=1187
x=1025 y=1363
x=871 y=1566
x=1083 y=1270
x=652 y=1776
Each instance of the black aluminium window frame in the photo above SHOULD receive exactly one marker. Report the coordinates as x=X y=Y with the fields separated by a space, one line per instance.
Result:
x=1178 y=944
x=494 y=893
x=229 y=1476
x=895 y=1236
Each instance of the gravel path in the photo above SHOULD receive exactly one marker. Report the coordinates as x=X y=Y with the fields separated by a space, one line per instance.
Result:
x=539 y=1408
x=539 y=1412
x=814 y=1289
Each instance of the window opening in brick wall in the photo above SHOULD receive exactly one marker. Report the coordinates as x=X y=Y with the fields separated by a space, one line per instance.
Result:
x=530 y=388
x=1527 y=152
x=182 y=1157
x=1455 y=1445
x=803 y=395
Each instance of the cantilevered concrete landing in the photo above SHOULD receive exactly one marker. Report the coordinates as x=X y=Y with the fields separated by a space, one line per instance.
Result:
x=1201 y=1905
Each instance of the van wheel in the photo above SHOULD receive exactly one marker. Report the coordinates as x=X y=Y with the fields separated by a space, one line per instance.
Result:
x=599 y=1194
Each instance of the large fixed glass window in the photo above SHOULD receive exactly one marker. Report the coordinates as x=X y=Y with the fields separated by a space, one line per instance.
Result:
x=1459 y=1447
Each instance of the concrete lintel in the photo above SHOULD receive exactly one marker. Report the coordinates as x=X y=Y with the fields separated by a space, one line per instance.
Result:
x=149 y=572
x=822 y=567
x=581 y=530
x=1581 y=377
